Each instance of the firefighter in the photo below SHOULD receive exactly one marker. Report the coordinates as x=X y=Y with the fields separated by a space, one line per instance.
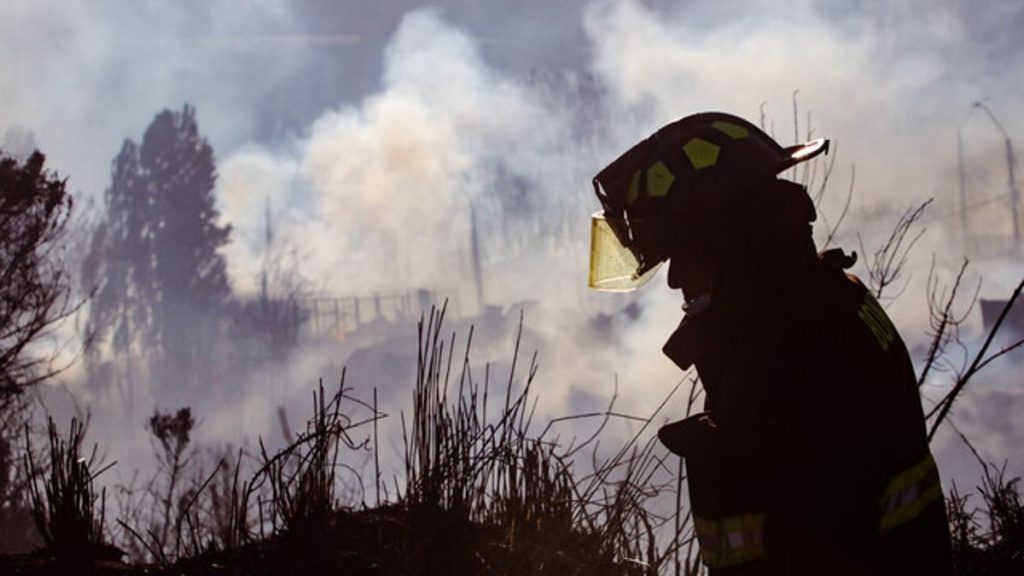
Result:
x=811 y=455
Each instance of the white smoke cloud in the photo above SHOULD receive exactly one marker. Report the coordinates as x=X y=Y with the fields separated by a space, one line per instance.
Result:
x=386 y=185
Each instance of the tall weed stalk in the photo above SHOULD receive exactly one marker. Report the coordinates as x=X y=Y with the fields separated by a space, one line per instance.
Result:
x=66 y=511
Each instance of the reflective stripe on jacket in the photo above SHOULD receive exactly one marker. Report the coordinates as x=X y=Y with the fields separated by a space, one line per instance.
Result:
x=909 y=493
x=735 y=540
x=731 y=540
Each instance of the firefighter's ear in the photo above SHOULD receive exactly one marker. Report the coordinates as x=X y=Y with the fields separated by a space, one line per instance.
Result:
x=793 y=201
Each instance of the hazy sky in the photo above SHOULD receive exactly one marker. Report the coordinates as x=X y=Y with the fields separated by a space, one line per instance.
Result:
x=373 y=125
x=890 y=81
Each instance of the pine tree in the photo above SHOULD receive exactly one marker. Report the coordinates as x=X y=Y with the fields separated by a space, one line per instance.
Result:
x=163 y=281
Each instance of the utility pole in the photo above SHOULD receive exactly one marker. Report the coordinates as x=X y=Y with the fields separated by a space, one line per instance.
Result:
x=1014 y=194
x=474 y=240
x=268 y=238
x=963 y=185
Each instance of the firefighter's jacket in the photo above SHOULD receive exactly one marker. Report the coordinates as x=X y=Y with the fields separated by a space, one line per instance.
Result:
x=811 y=456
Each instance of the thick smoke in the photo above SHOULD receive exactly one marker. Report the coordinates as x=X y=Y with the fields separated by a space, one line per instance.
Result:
x=378 y=198
x=373 y=132
x=385 y=187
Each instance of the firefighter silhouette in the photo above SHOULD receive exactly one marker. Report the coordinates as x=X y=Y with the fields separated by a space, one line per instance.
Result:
x=811 y=455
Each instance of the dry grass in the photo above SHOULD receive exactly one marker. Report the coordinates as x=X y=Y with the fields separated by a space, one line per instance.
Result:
x=66 y=511
x=482 y=492
x=486 y=490
x=471 y=452
x=990 y=539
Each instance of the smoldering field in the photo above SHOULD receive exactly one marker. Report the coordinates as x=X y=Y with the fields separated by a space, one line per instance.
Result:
x=376 y=136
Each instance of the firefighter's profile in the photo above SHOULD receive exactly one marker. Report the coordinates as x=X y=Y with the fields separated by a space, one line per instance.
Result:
x=811 y=455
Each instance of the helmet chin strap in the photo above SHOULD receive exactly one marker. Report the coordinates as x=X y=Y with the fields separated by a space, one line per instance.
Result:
x=701 y=286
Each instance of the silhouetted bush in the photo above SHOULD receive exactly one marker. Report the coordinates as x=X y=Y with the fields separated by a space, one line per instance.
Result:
x=989 y=540
x=67 y=513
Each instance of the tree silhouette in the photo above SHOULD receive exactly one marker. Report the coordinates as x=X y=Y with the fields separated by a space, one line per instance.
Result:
x=156 y=256
x=35 y=292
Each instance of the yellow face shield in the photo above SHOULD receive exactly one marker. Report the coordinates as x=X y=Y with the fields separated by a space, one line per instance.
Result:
x=614 y=267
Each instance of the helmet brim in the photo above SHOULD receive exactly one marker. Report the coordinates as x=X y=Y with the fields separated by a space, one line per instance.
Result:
x=803 y=152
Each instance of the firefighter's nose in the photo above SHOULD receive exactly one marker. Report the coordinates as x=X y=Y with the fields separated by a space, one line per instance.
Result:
x=675 y=280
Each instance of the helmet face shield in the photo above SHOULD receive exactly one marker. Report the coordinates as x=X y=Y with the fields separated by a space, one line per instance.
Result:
x=614 y=267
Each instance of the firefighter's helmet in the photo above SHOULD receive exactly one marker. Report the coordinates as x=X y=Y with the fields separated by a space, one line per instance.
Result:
x=681 y=180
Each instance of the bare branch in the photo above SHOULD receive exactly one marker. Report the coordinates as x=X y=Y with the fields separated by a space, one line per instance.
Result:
x=941 y=410
x=889 y=261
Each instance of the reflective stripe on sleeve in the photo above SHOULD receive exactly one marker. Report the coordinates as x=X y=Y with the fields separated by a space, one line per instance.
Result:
x=731 y=540
x=909 y=493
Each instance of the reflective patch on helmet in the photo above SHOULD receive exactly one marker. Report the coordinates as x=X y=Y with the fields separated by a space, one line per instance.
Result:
x=734 y=131
x=701 y=153
x=659 y=179
x=634 y=189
